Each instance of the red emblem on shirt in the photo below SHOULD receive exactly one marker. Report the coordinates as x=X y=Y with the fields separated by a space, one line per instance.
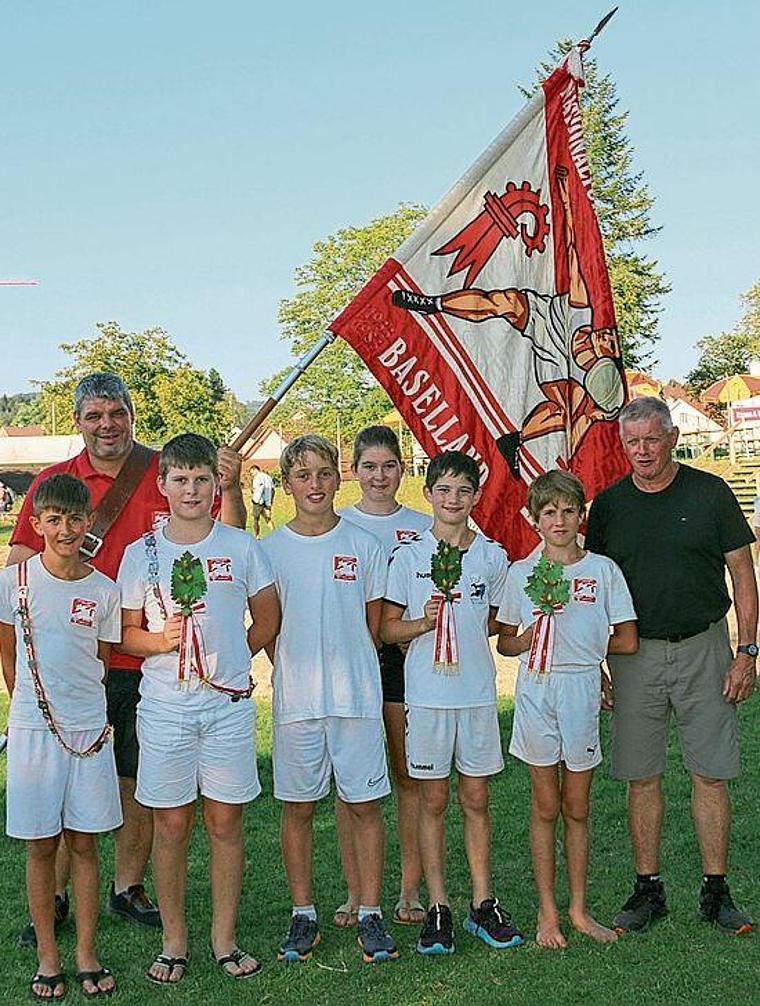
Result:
x=344 y=567
x=402 y=535
x=219 y=568
x=584 y=589
x=83 y=612
x=160 y=517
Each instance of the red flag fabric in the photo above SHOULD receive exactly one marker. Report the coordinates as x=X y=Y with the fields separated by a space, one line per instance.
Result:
x=492 y=327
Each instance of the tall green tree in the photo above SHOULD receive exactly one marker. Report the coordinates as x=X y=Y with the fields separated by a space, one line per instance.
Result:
x=336 y=392
x=170 y=395
x=730 y=352
x=623 y=204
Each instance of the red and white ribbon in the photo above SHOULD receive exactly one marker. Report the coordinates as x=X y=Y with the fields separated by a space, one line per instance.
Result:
x=192 y=653
x=446 y=649
x=542 y=646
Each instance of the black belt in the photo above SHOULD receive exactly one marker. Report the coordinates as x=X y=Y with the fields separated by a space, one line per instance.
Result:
x=679 y=637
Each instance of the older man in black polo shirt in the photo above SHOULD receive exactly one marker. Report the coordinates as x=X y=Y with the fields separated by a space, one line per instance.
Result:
x=673 y=530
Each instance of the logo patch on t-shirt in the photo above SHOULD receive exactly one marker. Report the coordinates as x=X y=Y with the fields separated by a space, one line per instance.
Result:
x=345 y=567
x=219 y=568
x=584 y=589
x=477 y=591
x=160 y=517
x=402 y=535
x=83 y=612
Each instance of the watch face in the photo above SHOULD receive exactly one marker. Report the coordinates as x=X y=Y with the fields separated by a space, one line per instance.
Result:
x=749 y=648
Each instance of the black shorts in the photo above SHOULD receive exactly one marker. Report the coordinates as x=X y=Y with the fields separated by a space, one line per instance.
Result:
x=392 y=672
x=122 y=696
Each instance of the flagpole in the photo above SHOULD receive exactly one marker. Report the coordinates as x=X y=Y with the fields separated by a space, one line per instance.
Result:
x=280 y=391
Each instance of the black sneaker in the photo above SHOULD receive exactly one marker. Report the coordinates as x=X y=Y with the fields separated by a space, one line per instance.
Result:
x=300 y=940
x=717 y=906
x=437 y=936
x=376 y=942
x=419 y=302
x=28 y=937
x=493 y=925
x=135 y=905
x=645 y=906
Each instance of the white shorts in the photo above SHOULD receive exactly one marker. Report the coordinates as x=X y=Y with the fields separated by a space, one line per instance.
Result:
x=470 y=737
x=305 y=753
x=48 y=789
x=209 y=750
x=557 y=719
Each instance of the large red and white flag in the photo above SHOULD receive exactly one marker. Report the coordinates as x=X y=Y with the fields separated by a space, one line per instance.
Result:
x=492 y=327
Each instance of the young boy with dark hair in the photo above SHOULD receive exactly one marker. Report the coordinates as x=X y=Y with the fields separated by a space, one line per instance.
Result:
x=327 y=700
x=557 y=701
x=58 y=619
x=451 y=709
x=192 y=582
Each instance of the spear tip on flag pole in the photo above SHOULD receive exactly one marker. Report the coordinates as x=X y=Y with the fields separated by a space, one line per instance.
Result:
x=585 y=43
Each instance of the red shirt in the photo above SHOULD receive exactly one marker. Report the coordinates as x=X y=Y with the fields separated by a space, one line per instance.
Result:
x=146 y=509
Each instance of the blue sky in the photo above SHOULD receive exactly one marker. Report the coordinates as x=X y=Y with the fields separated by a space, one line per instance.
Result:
x=172 y=162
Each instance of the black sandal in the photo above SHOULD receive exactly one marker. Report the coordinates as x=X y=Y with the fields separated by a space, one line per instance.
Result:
x=236 y=956
x=48 y=982
x=170 y=963
x=95 y=977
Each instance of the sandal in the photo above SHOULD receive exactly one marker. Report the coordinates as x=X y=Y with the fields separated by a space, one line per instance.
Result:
x=346 y=915
x=236 y=956
x=171 y=964
x=409 y=912
x=49 y=982
x=96 y=977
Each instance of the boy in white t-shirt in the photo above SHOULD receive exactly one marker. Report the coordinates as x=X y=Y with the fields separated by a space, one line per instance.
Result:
x=58 y=619
x=559 y=689
x=451 y=713
x=192 y=583
x=327 y=701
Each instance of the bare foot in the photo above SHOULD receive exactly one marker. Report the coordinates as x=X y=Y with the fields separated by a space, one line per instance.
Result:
x=590 y=927
x=548 y=933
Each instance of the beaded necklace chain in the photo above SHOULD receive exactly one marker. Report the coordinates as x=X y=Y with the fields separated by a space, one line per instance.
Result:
x=151 y=554
x=22 y=582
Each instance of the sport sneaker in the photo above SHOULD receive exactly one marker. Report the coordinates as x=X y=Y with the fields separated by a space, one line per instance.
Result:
x=28 y=937
x=300 y=940
x=717 y=906
x=437 y=936
x=645 y=906
x=135 y=905
x=375 y=940
x=419 y=302
x=493 y=925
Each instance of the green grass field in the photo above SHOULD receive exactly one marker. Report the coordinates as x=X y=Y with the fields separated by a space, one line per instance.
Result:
x=679 y=961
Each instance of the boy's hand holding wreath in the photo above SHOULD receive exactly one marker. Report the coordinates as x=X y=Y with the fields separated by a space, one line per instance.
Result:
x=188 y=590
x=549 y=590
x=445 y=572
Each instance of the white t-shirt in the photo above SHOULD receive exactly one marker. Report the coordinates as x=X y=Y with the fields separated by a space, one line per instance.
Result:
x=325 y=662
x=68 y=618
x=262 y=489
x=234 y=569
x=599 y=598
x=392 y=528
x=484 y=572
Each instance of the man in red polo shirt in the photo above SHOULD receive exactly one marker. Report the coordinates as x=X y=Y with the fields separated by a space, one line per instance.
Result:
x=104 y=415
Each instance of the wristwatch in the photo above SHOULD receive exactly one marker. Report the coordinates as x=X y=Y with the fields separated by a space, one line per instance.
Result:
x=751 y=649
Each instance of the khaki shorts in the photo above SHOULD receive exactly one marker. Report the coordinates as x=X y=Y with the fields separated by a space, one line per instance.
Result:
x=685 y=678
